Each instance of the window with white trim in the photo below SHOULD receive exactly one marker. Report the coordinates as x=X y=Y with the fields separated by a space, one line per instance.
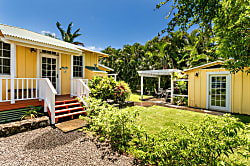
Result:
x=77 y=66
x=4 y=58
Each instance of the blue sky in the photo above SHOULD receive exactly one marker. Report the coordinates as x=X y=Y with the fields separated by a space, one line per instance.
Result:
x=103 y=23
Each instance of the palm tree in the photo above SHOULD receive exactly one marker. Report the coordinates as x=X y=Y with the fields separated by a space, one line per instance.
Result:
x=68 y=36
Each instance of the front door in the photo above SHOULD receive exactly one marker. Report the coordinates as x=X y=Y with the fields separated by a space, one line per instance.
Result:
x=49 y=68
x=219 y=92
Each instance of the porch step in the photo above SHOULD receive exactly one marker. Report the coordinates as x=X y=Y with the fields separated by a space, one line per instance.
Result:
x=69 y=114
x=67 y=105
x=65 y=102
x=68 y=108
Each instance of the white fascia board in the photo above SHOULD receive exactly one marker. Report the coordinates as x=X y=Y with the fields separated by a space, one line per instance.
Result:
x=203 y=65
x=106 y=67
x=30 y=43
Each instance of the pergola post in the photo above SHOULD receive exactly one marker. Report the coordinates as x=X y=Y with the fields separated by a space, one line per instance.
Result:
x=172 y=89
x=159 y=83
x=141 y=87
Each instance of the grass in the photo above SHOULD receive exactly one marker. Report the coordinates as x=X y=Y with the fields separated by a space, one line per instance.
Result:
x=156 y=118
x=136 y=97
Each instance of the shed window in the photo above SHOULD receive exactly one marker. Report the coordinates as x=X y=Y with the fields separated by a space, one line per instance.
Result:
x=77 y=66
x=4 y=58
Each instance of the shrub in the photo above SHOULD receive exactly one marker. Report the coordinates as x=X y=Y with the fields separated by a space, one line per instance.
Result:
x=107 y=88
x=209 y=142
x=119 y=126
x=180 y=100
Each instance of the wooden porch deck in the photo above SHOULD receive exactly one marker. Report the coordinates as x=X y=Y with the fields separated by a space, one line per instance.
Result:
x=25 y=103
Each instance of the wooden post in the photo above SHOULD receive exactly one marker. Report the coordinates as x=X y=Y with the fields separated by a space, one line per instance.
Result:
x=141 y=87
x=172 y=89
x=159 y=83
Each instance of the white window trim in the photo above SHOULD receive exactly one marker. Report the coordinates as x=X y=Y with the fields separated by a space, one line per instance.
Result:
x=12 y=61
x=229 y=85
x=83 y=67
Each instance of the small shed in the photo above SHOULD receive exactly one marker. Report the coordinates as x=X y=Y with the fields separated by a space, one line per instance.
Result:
x=158 y=74
x=212 y=87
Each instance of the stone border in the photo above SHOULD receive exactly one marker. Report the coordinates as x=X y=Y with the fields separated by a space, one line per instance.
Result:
x=12 y=128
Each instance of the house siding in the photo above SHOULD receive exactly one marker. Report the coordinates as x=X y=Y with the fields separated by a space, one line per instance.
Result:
x=240 y=90
x=90 y=60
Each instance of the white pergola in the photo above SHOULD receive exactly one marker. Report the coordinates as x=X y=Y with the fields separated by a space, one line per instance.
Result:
x=158 y=74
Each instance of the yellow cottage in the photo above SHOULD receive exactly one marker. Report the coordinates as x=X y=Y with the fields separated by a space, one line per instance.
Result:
x=212 y=87
x=36 y=69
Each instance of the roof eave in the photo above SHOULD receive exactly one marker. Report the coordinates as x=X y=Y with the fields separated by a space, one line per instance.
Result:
x=205 y=65
x=39 y=44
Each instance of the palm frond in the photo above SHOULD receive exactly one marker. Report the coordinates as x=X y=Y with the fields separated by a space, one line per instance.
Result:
x=60 y=29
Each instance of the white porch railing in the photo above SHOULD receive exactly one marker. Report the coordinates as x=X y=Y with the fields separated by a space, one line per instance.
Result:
x=80 y=88
x=47 y=93
x=29 y=88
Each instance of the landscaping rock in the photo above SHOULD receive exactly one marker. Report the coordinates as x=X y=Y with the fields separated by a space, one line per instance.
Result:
x=22 y=126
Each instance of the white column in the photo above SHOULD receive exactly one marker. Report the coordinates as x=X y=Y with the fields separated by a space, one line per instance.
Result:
x=83 y=65
x=172 y=88
x=59 y=79
x=12 y=72
x=115 y=77
x=38 y=63
x=159 y=83
x=141 y=87
x=71 y=76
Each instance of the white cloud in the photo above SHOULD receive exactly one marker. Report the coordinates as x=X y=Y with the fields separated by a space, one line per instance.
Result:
x=94 y=48
x=48 y=32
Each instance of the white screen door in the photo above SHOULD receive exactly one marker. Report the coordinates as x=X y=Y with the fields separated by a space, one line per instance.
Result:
x=219 y=92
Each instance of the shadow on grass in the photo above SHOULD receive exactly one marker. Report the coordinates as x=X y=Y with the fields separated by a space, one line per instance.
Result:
x=243 y=118
x=52 y=139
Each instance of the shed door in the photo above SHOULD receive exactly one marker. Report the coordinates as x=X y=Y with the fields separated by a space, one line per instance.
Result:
x=219 y=92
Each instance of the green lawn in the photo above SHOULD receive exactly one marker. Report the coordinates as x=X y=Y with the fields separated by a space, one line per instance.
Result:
x=156 y=118
x=136 y=97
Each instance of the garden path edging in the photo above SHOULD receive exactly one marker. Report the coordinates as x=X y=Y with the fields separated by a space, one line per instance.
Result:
x=12 y=128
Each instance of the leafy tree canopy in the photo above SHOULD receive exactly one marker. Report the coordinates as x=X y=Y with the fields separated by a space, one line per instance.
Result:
x=225 y=20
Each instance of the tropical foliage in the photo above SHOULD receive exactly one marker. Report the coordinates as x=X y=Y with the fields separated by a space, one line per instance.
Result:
x=68 y=36
x=107 y=88
x=209 y=141
x=227 y=21
x=176 y=50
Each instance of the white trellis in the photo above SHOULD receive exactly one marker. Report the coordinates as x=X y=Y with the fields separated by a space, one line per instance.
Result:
x=158 y=74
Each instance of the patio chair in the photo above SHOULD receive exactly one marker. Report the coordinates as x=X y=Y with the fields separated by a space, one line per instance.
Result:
x=157 y=94
x=168 y=95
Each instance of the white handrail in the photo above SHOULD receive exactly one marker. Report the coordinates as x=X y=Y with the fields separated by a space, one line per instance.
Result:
x=47 y=92
x=80 y=89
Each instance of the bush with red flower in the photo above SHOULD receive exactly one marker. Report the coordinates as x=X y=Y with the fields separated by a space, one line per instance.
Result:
x=107 y=88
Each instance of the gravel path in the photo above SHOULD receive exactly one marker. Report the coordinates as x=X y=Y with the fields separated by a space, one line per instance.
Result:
x=47 y=146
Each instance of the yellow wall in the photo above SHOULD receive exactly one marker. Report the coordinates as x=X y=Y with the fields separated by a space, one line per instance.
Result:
x=102 y=68
x=240 y=90
x=90 y=74
x=90 y=60
x=25 y=68
x=65 y=77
